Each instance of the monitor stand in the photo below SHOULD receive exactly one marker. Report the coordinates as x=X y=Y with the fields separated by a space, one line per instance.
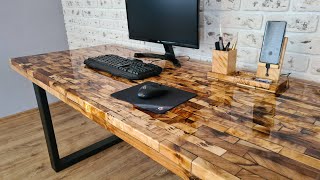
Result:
x=169 y=55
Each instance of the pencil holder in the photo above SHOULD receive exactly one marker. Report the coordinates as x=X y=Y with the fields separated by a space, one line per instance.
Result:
x=224 y=62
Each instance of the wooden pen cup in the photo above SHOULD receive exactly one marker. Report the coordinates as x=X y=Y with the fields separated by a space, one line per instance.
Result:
x=224 y=62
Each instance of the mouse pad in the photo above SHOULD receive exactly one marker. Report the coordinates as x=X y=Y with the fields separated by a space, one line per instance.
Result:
x=158 y=105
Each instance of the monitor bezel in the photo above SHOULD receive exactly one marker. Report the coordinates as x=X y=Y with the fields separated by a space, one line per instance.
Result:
x=194 y=46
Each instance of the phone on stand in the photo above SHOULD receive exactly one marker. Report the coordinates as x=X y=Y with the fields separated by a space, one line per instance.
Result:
x=272 y=43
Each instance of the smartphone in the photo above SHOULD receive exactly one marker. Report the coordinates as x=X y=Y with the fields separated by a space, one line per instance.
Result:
x=272 y=42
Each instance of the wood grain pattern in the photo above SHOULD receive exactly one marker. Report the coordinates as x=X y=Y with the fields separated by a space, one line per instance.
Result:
x=224 y=62
x=247 y=79
x=225 y=132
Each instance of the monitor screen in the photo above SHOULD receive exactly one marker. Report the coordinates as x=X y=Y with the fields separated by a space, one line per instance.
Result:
x=172 y=22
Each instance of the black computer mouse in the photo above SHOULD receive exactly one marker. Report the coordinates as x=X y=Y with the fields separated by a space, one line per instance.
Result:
x=149 y=91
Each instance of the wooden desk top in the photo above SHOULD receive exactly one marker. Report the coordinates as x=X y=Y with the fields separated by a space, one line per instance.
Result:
x=226 y=132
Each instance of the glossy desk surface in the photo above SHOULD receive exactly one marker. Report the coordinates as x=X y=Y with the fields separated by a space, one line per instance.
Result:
x=226 y=132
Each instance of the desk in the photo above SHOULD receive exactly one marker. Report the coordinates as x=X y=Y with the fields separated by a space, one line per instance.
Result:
x=226 y=132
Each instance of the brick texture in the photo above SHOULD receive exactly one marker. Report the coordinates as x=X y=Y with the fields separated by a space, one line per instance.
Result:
x=306 y=5
x=221 y=5
x=297 y=22
x=96 y=22
x=315 y=66
x=265 y=5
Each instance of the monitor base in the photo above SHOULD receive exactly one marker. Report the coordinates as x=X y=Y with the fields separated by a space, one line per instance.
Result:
x=169 y=55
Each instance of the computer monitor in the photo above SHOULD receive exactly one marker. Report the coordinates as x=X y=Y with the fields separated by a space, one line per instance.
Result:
x=169 y=22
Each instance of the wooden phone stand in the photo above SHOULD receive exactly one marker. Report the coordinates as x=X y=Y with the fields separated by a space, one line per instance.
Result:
x=248 y=79
x=275 y=69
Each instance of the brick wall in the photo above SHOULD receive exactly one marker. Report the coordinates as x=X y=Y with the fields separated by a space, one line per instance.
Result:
x=96 y=22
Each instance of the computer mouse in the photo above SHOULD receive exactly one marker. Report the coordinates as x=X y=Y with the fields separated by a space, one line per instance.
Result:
x=149 y=91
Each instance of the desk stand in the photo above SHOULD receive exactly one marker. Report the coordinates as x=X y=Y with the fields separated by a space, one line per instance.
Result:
x=247 y=79
x=58 y=163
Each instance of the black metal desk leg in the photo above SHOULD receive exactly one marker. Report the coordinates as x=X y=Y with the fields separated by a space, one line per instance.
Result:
x=57 y=163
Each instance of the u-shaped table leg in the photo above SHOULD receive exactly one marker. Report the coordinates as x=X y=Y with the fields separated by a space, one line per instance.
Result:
x=58 y=163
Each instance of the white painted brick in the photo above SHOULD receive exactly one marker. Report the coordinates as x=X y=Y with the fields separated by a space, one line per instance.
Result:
x=107 y=23
x=92 y=22
x=72 y=3
x=77 y=21
x=139 y=42
x=90 y=3
x=75 y=29
x=117 y=14
x=74 y=36
x=85 y=42
x=73 y=44
x=121 y=25
x=87 y=13
x=192 y=53
x=206 y=58
x=115 y=35
x=297 y=22
x=250 y=39
x=212 y=35
x=139 y=45
x=306 y=44
x=296 y=62
x=127 y=44
x=206 y=49
x=72 y=12
x=69 y=21
x=232 y=20
x=194 y=56
x=69 y=27
x=221 y=4
x=119 y=4
x=248 y=55
x=189 y=50
x=125 y=36
x=242 y=66
x=105 y=4
x=306 y=5
x=102 y=34
x=154 y=45
x=306 y=76
x=82 y=21
x=90 y=31
x=108 y=41
x=102 y=14
x=315 y=66
x=265 y=5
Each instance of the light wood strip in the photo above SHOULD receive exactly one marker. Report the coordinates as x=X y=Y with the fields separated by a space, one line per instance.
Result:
x=206 y=170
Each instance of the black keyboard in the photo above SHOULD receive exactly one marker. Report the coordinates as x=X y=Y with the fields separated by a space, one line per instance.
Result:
x=132 y=69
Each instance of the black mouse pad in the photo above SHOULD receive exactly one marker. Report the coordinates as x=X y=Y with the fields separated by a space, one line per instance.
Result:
x=158 y=105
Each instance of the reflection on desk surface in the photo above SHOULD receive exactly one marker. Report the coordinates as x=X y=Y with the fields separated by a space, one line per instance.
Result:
x=241 y=132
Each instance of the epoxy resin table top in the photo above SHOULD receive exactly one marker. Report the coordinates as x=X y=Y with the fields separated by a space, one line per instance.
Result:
x=226 y=132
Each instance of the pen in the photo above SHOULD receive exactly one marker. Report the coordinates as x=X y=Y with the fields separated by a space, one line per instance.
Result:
x=221 y=40
x=234 y=45
x=227 y=46
x=217 y=46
